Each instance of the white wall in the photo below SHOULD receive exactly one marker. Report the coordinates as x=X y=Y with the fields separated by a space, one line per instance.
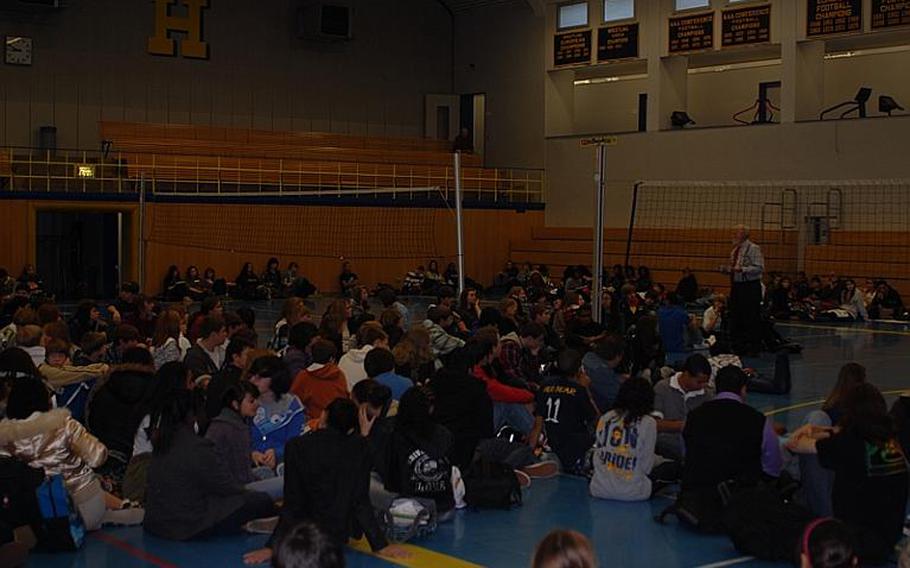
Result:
x=90 y=63
x=499 y=53
x=874 y=148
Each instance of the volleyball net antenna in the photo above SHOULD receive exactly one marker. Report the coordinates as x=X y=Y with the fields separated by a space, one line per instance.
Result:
x=851 y=228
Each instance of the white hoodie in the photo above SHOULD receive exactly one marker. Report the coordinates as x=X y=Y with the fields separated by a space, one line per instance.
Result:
x=352 y=365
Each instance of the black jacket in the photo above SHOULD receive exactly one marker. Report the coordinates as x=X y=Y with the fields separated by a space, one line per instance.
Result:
x=463 y=406
x=723 y=440
x=198 y=362
x=117 y=407
x=189 y=492
x=327 y=482
x=419 y=467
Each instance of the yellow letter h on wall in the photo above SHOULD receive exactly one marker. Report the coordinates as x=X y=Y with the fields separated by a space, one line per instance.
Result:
x=191 y=24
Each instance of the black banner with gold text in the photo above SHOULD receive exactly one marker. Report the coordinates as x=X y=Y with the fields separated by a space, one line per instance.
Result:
x=824 y=17
x=746 y=26
x=572 y=48
x=617 y=42
x=691 y=33
x=890 y=13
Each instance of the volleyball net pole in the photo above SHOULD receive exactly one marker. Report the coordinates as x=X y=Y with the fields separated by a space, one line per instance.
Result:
x=600 y=143
x=459 y=227
x=141 y=259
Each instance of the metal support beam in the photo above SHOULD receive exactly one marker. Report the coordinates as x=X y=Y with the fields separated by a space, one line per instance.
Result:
x=141 y=231
x=459 y=227
x=598 y=264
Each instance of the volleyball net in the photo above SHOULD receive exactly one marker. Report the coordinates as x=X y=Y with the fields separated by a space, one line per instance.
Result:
x=852 y=228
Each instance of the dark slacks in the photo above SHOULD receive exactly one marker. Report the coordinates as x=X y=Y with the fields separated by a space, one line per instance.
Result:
x=745 y=316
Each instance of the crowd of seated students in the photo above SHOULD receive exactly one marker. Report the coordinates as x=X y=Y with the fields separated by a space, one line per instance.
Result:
x=832 y=298
x=187 y=424
x=248 y=285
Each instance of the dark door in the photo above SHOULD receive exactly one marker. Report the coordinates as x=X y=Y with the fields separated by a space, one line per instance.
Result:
x=77 y=253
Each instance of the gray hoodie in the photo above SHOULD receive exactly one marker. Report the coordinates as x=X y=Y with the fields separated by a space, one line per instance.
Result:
x=623 y=458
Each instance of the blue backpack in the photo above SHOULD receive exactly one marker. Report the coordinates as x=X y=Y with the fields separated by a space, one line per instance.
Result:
x=61 y=529
x=74 y=397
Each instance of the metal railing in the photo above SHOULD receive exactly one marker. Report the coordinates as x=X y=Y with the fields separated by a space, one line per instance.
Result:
x=84 y=171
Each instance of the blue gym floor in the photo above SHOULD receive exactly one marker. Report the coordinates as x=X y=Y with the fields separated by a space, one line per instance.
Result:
x=623 y=534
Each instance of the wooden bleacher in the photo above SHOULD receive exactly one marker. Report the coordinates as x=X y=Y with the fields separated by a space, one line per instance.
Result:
x=239 y=160
x=306 y=146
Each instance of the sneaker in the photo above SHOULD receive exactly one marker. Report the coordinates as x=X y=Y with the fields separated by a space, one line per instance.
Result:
x=542 y=469
x=265 y=525
x=124 y=517
x=524 y=480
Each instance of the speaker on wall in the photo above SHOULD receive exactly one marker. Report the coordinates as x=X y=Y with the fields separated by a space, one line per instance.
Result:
x=325 y=20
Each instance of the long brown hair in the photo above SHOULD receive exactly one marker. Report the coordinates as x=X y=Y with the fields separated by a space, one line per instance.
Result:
x=866 y=414
x=851 y=375
x=338 y=308
x=294 y=310
x=414 y=347
x=167 y=327
x=564 y=549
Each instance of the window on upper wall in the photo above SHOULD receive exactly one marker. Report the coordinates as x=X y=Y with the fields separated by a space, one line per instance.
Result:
x=689 y=4
x=573 y=15
x=618 y=10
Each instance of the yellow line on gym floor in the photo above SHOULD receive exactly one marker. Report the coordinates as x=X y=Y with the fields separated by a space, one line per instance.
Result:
x=420 y=557
x=845 y=329
x=817 y=403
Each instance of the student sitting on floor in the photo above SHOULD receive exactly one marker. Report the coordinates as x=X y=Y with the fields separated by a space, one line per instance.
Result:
x=236 y=360
x=369 y=336
x=566 y=412
x=438 y=320
x=293 y=312
x=601 y=365
x=418 y=462
x=51 y=440
x=625 y=463
x=675 y=398
x=166 y=341
x=115 y=409
x=726 y=439
x=817 y=482
x=461 y=403
x=280 y=417
x=189 y=494
x=321 y=382
x=207 y=356
x=519 y=354
x=678 y=329
x=379 y=365
x=512 y=406
x=870 y=470
x=414 y=357
x=170 y=378
x=230 y=432
x=327 y=483
x=298 y=355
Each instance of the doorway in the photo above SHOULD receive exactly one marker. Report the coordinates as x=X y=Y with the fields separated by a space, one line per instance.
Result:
x=80 y=253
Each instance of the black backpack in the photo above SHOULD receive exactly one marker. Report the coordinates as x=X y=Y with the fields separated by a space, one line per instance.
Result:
x=763 y=523
x=491 y=485
x=18 y=503
x=699 y=509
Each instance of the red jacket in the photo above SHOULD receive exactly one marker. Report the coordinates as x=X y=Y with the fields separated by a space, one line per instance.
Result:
x=317 y=388
x=500 y=392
